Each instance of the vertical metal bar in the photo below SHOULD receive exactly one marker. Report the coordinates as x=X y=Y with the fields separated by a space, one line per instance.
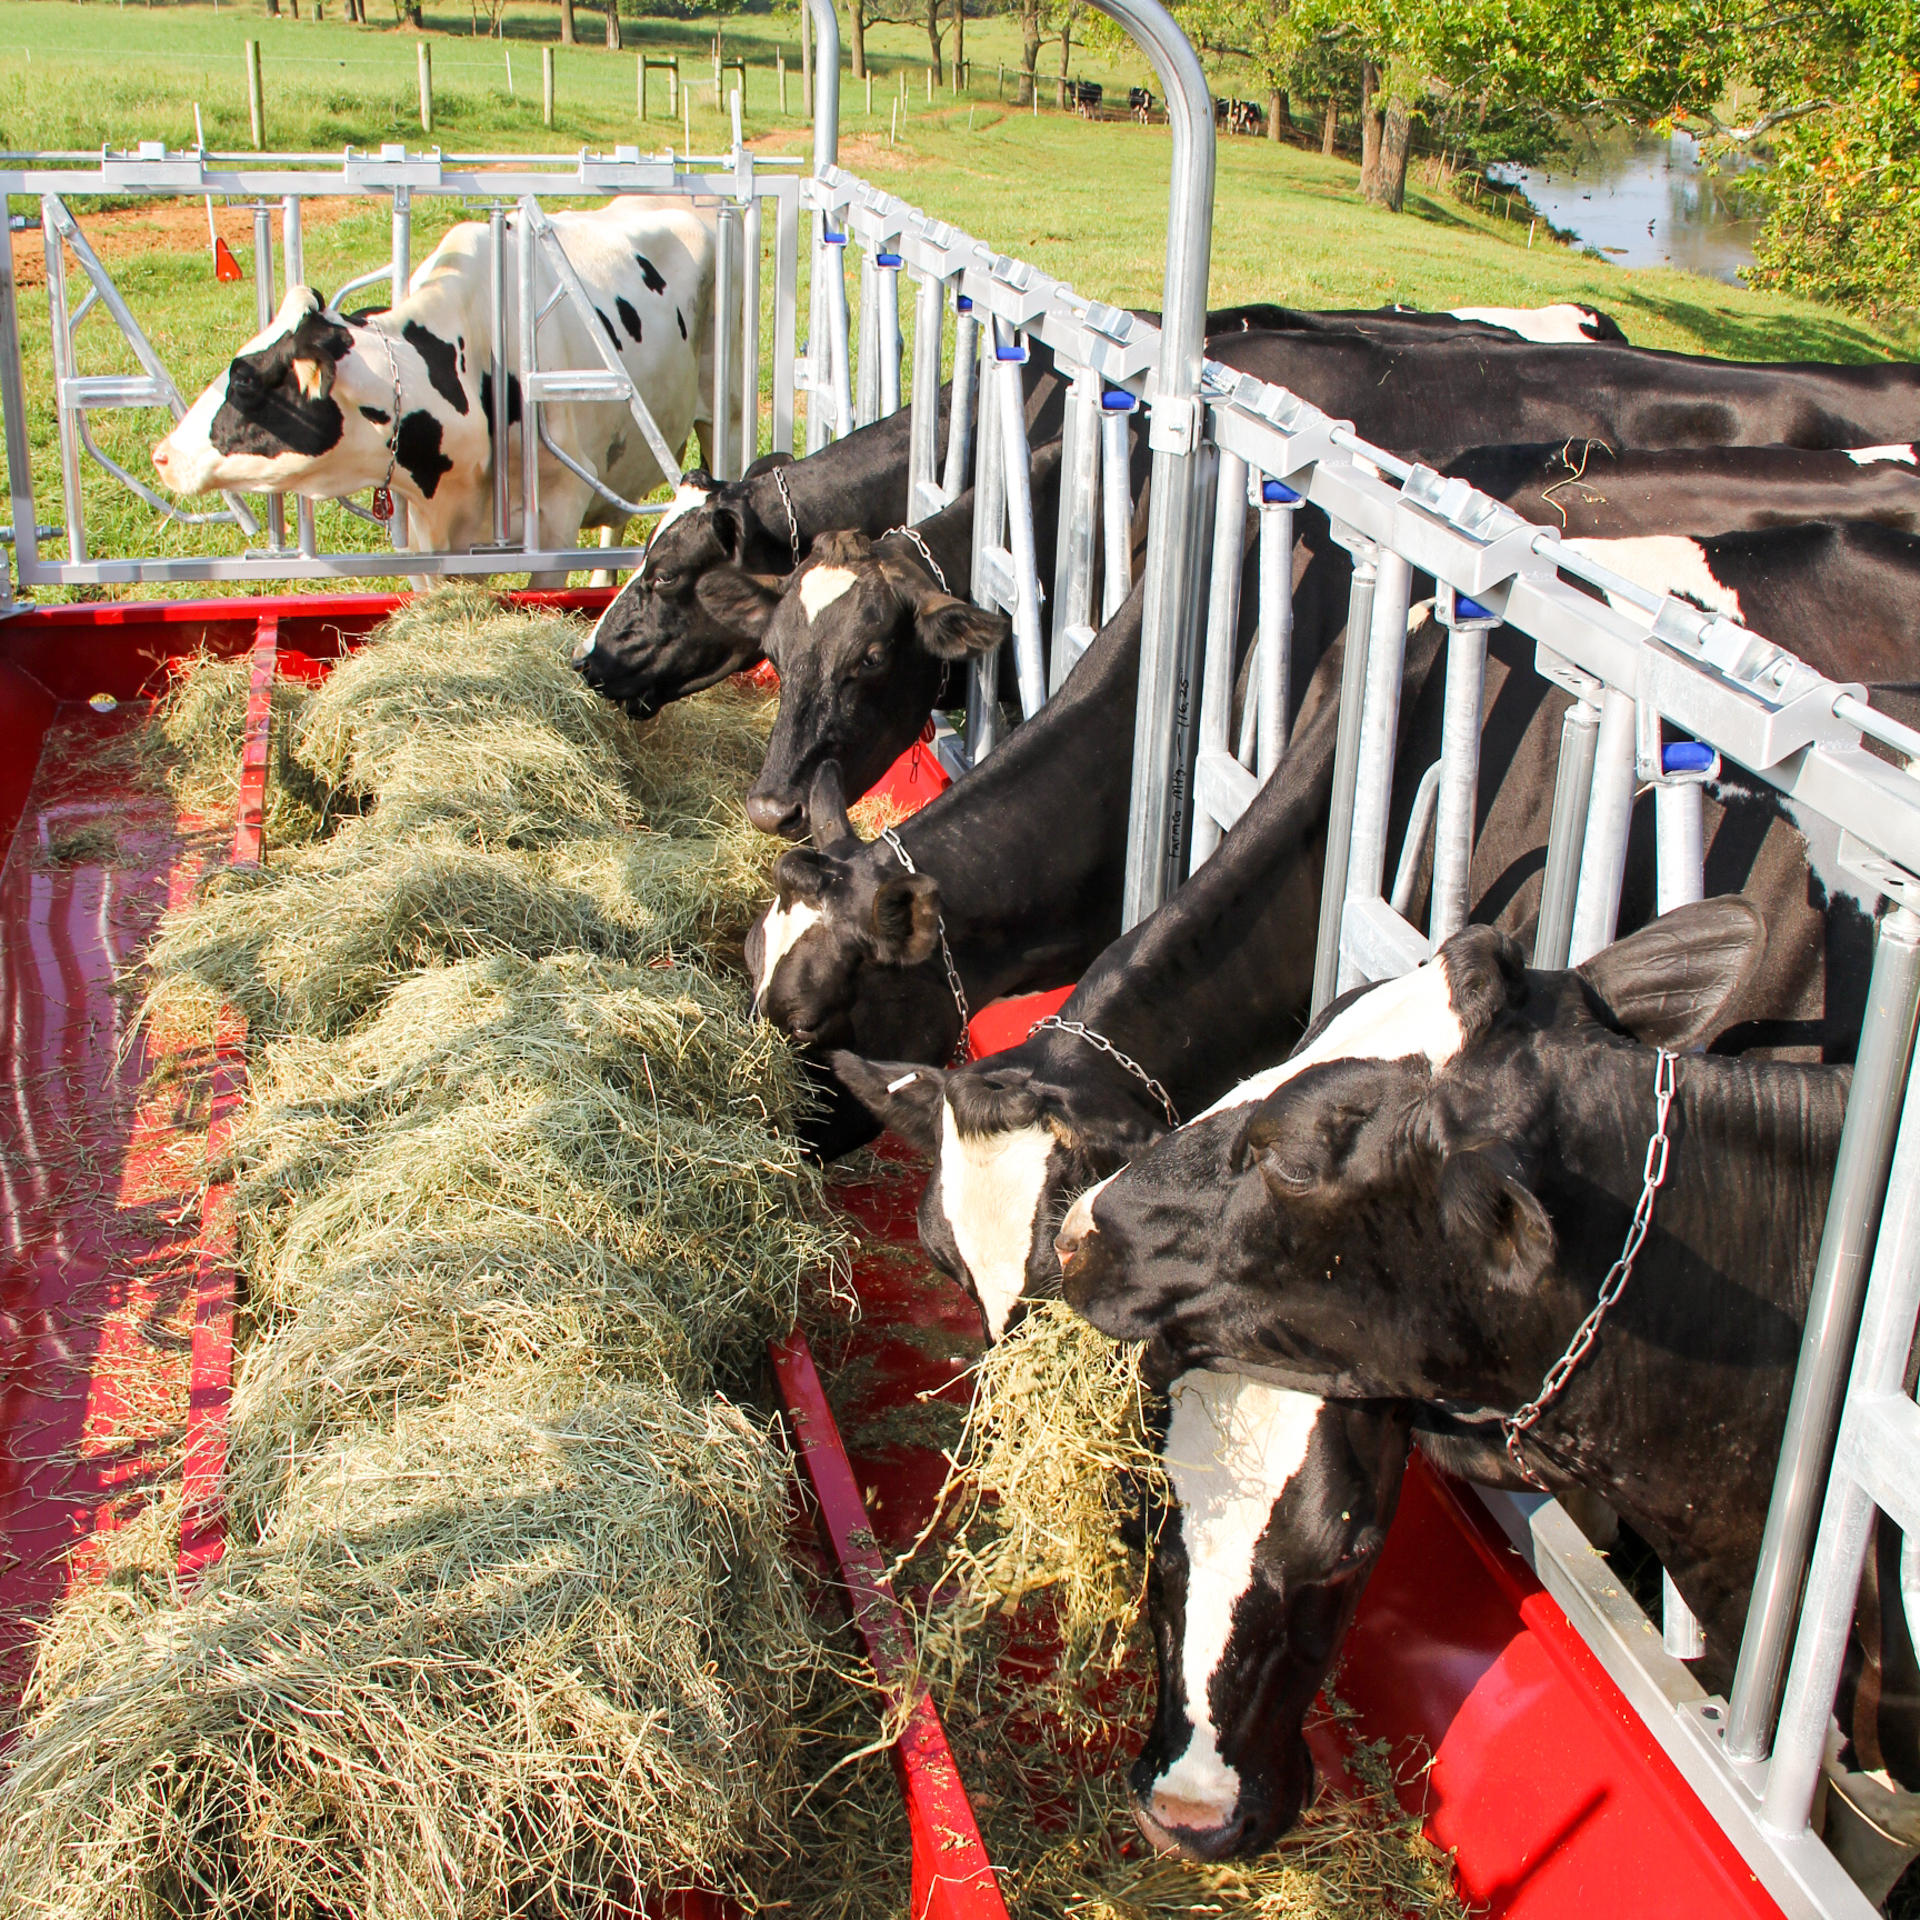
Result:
x=723 y=275
x=1679 y=843
x=497 y=321
x=1116 y=502
x=866 y=372
x=819 y=340
x=1681 y=1633
x=1566 y=834
x=64 y=370
x=1186 y=677
x=837 y=323
x=960 y=408
x=989 y=523
x=923 y=428
x=1275 y=683
x=529 y=403
x=1223 y=627
x=1077 y=526
x=1886 y=1336
x=1459 y=774
x=13 y=416
x=1379 y=731
x=1175 y=435
x=1603 y=859
x=1346 y=769
x=786 y=309
x=886 y=275
x=402 y=276
x=293 y=256
x=263 y=311
x=1833 y=1311
x=1029 y=660
x=750 y=243
x=826 y=85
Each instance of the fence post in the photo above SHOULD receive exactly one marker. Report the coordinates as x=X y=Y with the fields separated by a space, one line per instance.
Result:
x=780 y=62
x=642 y=93
x=425 y=58
x=256 y=103
x=546 y=86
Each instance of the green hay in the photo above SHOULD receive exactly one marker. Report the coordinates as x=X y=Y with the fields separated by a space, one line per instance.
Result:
x=507 y=1655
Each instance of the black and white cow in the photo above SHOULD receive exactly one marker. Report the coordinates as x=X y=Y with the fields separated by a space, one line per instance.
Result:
x=323 y=406
x=1219 y=978
x=868 y=637
x=1397 y=1231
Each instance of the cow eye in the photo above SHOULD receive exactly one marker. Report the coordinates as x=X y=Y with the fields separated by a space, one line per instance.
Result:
x=874 y=658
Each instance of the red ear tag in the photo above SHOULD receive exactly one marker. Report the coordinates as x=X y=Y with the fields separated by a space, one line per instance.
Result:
x=383 y=503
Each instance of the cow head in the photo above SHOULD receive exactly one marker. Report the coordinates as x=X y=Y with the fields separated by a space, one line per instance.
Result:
x=1011 y=1141
x=863 y=639
x=696 y=608
x=307 y=407
x=1281 y=1503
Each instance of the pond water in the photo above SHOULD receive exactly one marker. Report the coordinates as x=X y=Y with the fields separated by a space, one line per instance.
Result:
x=1646 y=203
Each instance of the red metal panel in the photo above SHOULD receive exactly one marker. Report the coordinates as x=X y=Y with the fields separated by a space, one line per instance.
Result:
x=952 y=1876
x=1543 y=1780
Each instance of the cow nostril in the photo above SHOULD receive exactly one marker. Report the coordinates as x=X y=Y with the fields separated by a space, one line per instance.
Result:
x=784 y=817
x=160 y=456
x=1068 y=1244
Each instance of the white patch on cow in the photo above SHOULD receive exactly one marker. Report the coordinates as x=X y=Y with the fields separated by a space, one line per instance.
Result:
x=780 y=933
x=822 y=586
x=1079 y=1221
x=1413 y=1014
x=1664 y=563
x=990 y=1191
x=1866 y=456
x=1563 y=325
x=686 y=497
x=1417 y=616
x=1233 y=1445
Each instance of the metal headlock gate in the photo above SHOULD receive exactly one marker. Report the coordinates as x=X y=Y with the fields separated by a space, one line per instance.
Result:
x=501 y=186
x=1661 y=694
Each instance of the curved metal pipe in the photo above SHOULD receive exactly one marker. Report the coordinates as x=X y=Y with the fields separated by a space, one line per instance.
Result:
x=826 y=86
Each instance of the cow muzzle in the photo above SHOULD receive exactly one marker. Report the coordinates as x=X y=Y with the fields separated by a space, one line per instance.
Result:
x=1199 y=1831
x=772 y=813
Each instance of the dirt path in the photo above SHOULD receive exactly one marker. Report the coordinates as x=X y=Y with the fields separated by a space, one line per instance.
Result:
x=170 y=226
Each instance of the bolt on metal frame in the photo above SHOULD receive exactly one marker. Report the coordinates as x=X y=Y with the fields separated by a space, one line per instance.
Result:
x=1660 y=694
x=500 y=184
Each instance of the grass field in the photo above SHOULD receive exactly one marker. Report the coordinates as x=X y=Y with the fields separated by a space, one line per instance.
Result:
x=1086 y=202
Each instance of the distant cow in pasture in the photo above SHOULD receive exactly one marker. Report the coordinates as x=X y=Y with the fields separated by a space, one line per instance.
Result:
x=322 y=405
x=1141 y=104
x=1084 y=97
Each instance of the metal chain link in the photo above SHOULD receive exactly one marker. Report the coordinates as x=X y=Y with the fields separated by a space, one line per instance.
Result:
x=1101 y=1043
x=793 y=525
x=1652 y=1175
x=963 y=1050
x=909 y=533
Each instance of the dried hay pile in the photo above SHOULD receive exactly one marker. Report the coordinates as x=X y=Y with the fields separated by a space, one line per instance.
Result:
x=507 y=1620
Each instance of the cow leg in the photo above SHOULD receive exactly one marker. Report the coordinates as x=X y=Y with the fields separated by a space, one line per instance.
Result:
x=602 y=576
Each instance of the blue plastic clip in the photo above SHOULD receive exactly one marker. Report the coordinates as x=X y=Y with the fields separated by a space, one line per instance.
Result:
x=1465 y=609
x=1010 y=353
x=1686 y=756
x=1117 y=400
x=1276 y=493
x=888 y=260
x=962 y=303
x=834 y=239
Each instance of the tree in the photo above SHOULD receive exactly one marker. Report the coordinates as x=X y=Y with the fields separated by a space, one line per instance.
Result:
x=613 y=26
x=1262 y=35
x=566 y=23
x=1029 y=50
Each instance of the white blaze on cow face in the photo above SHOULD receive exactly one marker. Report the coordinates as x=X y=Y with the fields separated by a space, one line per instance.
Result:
x=822 y=586
x=1564 y=325
x=780 y=932
x=1233 y=1445
x=990 y=1192
x=1665 y=563
x=1866 y=456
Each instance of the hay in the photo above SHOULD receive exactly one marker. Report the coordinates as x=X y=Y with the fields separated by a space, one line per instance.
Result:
x=501 y=1656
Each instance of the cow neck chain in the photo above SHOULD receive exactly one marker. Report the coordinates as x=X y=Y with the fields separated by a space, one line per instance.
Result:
x=383 y=493
x=963 y=1049
x=1102 y=1044
x=793 y=525
x=926 y=554
x=1653 y=1174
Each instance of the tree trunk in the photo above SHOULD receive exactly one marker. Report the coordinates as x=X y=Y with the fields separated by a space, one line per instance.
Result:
x=1369 y=129
x=1279 y=113
x=1330 y=125
x=1393 y=155
x=613 y=26
x=933 y=38
x=566 y=23
x=959 y=40
x=1029 y=51
x=857 y=35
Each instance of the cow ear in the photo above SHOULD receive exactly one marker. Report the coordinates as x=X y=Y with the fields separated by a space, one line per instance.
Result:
x=905 y=923
x=900 y=1094
x=1670 y=984
x=952 y=629
x=1486 y=973
x=1487 y=1212
x=737 y=599
x=314 y=377
x=802 y=874
x=734 y=525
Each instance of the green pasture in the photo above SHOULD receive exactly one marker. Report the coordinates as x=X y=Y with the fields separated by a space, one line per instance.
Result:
x=1085 y=201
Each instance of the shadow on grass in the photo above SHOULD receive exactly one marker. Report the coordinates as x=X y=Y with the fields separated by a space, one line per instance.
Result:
x=1820 y=335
